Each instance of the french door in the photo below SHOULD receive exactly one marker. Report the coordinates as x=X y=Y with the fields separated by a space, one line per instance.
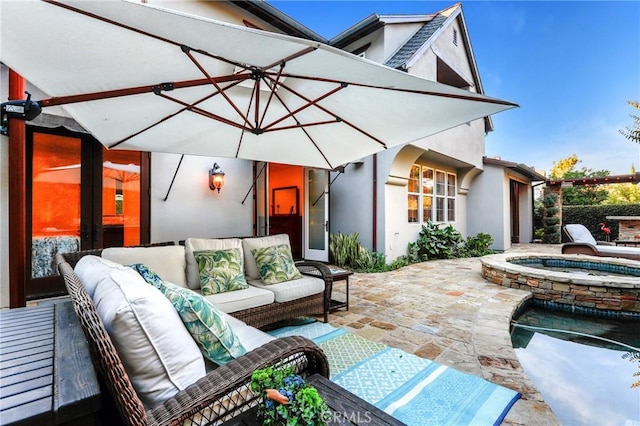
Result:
x=317 y=215
x=80 y=196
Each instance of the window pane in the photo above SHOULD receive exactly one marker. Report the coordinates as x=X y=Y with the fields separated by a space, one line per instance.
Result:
x=440 y=183
x=451 y=185
x=414 y=179
x=412 y=211
x=55 y=218
x=427 y=209
x=451 y=209
x=427 y=180
x=440 y=209
x=120 y=198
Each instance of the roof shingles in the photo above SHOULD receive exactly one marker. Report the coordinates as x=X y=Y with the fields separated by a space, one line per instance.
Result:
x=406 y=52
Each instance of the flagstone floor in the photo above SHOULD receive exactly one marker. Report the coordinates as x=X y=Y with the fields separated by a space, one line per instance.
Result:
x=445 y=311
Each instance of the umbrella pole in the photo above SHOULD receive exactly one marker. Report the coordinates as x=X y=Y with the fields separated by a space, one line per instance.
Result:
x=174 y=178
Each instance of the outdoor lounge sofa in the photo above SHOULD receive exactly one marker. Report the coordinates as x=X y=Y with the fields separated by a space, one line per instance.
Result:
x=582 y=242
x=128 y=327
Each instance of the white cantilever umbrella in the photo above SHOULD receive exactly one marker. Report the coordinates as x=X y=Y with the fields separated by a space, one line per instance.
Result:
x=145 y=78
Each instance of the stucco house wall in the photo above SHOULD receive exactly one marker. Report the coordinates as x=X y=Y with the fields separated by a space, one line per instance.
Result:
x=488 y=206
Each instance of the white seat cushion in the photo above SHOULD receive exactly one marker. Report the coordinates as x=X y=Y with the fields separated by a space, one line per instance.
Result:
x=250 y=337
x=292 y=290
x=156 y=349
x=197 y=244
x=618 y=251
x=237 y=300
x=580 y=234
x=166 y=261
x=248 y=244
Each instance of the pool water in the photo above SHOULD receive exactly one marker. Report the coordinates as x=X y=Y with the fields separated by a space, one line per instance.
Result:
x=577 y=364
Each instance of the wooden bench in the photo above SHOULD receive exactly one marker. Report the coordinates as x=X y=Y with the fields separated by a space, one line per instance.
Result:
x=46 y=374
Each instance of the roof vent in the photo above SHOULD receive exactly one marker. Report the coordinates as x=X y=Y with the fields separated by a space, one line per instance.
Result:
x=455 y=37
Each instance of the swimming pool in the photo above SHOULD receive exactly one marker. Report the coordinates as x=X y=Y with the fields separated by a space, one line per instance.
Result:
x=577 y=364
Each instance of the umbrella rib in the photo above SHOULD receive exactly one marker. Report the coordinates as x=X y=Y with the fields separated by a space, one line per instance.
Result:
x=187 y=51
x=170 y=115
x=307 y=105
x=242 y=133
x=338 y=118
x=273 y=86
x=205 y=113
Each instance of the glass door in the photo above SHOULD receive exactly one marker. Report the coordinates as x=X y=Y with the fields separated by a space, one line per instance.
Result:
x=317 y=215
x=82 y=196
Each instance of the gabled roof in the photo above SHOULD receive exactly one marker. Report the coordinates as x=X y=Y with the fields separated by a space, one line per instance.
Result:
x=412 y=49
x=414 y=44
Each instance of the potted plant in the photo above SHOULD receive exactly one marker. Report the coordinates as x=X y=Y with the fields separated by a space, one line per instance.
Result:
x=288 y=399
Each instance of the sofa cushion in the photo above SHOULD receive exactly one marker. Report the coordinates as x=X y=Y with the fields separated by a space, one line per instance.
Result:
x=239 y=300
x=275 y=264
x=195 y=244
x=220 y=270
x=291 y=290
x=167 y=261
x=94 y=270
x=250 y=337
x=146 y=330
x=205 y=322
x=249 y=244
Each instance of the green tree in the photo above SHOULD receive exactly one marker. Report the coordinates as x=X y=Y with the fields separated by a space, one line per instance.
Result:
x=632 y=132
x=579 y=195
x=623 y=193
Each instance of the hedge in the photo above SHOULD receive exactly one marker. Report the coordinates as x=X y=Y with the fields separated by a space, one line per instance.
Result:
x=593 y=216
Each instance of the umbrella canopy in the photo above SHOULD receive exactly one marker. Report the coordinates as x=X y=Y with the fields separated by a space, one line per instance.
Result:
x=146 y=78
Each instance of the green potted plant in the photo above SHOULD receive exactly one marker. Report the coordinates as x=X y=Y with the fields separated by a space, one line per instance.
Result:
x=288 y=399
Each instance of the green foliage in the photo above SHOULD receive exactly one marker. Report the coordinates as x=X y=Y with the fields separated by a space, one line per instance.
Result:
x=592 y=216
x=632 y=132
x=435 y=243
x=623 y=193
x=550 y=221
x=305 y=407
x=347 y=252
x=581 y=195
x=476 y=246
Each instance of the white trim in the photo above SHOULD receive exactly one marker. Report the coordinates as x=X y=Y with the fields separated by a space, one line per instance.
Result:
x=418 y=54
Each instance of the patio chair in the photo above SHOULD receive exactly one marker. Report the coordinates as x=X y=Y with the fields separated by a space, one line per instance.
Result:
x=582 y=242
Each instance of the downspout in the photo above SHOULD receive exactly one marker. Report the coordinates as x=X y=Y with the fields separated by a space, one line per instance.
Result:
x=374 y=232
x=17 y=199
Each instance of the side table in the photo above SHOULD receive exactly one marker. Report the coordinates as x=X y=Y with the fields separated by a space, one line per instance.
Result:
x=338 y=274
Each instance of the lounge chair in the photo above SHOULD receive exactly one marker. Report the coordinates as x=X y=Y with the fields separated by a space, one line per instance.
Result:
x=582 y=242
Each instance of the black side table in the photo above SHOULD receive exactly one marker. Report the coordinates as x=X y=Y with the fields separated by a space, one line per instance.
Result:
x=338 y=274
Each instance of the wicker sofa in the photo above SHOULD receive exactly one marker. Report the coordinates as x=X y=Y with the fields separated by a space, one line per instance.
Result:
x=219 y=395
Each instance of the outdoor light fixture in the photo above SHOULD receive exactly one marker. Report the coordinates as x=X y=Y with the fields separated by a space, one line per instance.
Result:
x=216 y=178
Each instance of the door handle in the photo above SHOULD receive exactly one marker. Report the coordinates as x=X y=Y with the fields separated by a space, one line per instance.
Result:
x=96 y=233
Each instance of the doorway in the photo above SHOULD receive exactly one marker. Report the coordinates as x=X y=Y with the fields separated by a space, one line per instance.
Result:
x=79 y=196
x=293 y=200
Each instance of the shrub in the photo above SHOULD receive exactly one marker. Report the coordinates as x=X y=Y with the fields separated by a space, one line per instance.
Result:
x=435 y=243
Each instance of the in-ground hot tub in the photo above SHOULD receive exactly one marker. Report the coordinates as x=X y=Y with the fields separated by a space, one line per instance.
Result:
x=599 y=283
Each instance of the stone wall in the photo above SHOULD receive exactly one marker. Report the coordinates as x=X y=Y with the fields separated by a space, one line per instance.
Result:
x=597 y=294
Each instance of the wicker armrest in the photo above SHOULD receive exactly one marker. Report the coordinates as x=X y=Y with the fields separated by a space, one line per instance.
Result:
x=224 y=393
x=320 y=270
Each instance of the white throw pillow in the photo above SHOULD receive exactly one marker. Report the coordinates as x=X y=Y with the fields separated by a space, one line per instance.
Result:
x=197 y=244
x=248 y=244
x=156 y=349
x=167 y=261
x=94 y=270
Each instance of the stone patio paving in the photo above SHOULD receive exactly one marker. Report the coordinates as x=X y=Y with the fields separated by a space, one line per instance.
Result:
x=445 y=311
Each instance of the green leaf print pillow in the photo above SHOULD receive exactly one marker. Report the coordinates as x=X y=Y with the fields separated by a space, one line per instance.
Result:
x=220 y=270
x=275 y=264
x=205 y=322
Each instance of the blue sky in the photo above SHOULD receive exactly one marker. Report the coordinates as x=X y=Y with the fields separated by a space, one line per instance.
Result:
x=570 y=65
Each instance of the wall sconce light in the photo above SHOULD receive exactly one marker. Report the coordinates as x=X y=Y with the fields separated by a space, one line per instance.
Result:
x=216 y=178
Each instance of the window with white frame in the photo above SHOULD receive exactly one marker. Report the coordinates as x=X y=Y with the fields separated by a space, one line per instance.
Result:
x=431 y=195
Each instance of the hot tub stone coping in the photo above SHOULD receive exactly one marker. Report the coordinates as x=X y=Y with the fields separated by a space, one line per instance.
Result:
x=501 y=262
